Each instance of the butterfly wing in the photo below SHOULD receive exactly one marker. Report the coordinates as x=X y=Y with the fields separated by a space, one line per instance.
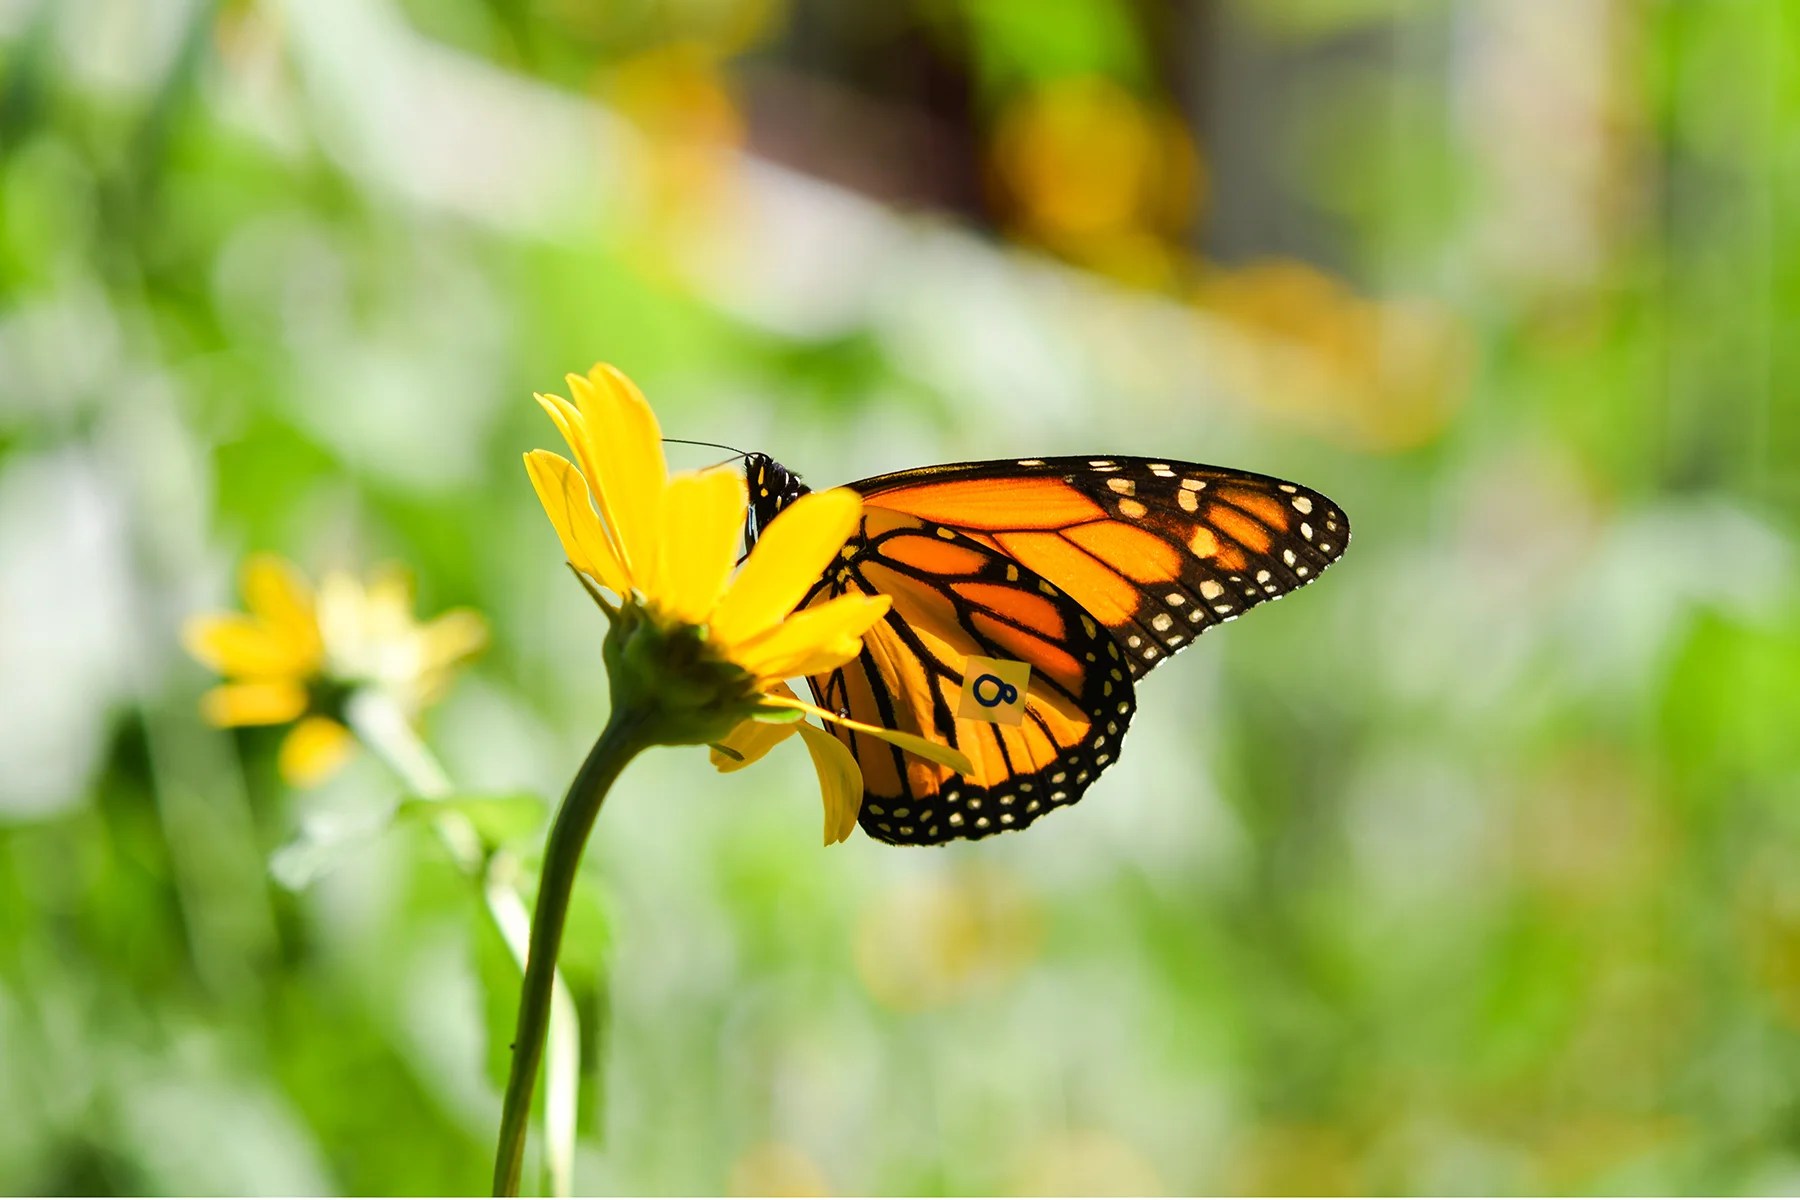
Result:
x=954 y=597
x=1158 y=551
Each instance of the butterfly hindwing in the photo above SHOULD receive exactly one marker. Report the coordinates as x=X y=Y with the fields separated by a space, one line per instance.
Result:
x=1158 y=551
x=954 y=597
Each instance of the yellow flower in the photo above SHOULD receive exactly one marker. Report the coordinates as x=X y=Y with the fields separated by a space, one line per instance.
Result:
x=1386 y=373
x=296 y=657
x=1097 y=174
x=840 y=779
x=702 y=651
x=686 y=168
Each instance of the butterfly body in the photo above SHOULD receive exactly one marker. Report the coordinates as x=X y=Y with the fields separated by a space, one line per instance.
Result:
x=772 y=488
x=1091 y=570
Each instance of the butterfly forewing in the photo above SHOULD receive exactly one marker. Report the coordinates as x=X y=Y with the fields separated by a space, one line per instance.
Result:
x=1158 y=551
x=1093 y=570
x=954 y=597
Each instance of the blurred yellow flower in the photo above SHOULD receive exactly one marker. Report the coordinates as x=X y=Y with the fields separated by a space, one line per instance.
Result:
x=1083 y=1162
x=297 y=657
x=1098 y=174
x=685 y=168
x=1384 y=373
x=692 y=635
x=776 y=1169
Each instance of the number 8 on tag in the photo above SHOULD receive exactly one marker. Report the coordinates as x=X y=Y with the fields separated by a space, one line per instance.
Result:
x=994 y=690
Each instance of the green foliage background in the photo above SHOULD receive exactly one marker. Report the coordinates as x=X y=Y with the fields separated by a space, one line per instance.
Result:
x=1472 y=869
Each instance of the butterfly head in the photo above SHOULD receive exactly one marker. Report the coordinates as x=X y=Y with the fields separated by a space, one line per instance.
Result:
x=772 y=488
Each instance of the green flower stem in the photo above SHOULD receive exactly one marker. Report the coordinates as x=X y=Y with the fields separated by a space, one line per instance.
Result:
x=620 y=742
x=380 y=725
x=562 y=1068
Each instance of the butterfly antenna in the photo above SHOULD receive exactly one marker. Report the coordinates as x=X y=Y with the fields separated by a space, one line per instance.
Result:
x=712 y=445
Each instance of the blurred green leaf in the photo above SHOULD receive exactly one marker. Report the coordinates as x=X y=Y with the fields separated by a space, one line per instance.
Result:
x=500 y=819
x=583 y=966
x=320 y=844
x=587 y=948
x=499 y=977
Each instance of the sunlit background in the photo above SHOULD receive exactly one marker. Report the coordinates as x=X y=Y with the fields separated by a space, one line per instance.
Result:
x=1474 y=868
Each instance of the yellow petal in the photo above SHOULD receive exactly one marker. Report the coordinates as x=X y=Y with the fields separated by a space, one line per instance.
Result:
x=840 y=781
x=788 y=559
x=564 y=495
x=388 y=605
x=817 y=639
x=569 y=422
x=237 y=645
x=937 y=752
x=750 y=741
x=448 y=639
x=277 y=594
x=343 y=609
x=271 y=702
x=702 y=516
x=313 y=750
x=443 y=644
x=629 y=472
x=816 y=660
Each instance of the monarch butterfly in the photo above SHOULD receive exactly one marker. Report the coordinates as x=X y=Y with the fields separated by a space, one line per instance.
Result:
x=1092 y=570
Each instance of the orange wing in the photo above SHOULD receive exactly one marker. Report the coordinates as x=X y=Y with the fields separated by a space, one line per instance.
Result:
x=1158 y=551
x=954 y=597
